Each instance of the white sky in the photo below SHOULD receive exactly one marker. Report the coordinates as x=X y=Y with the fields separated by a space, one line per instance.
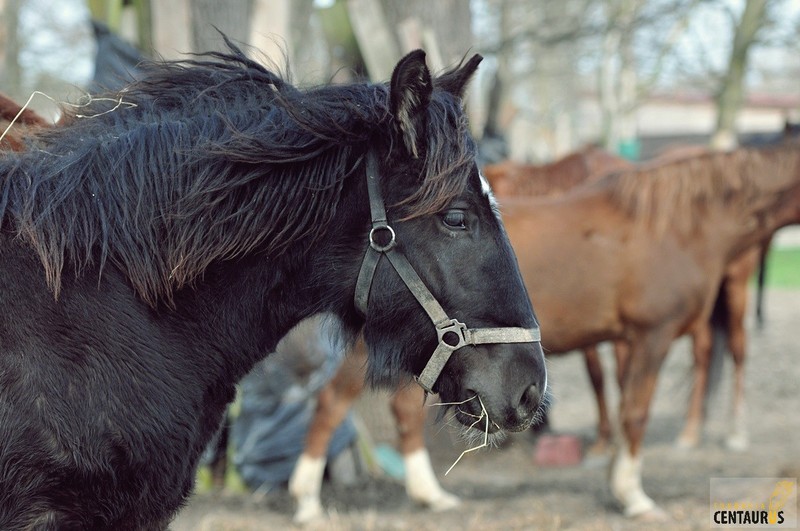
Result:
x=68 y=52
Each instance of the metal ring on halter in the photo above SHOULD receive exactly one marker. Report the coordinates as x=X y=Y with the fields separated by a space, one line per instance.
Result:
x=375 y=245
x=452 y=329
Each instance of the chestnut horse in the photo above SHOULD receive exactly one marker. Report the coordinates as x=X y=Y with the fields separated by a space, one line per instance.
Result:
x=726 y=323
x=637 y=257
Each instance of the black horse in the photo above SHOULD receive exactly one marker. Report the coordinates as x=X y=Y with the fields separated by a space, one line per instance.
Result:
x=154 y=247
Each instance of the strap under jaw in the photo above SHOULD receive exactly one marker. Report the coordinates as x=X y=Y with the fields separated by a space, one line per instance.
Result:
x=452 y=334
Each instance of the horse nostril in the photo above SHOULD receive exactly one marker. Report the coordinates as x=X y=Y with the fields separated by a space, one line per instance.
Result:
x=530 y=399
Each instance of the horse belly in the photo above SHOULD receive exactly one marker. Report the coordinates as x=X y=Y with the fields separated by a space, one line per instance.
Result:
x=572 y=322
x=667 y=284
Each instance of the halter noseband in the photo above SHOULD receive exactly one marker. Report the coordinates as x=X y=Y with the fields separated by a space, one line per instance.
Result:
x=451 y=333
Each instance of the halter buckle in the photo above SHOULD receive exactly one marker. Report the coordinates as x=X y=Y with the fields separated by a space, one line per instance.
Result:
x=452 y=333
x=382 y=248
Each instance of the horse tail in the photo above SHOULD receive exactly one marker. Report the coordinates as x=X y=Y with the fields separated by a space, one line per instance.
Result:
x=720 y=328
x=760 y=282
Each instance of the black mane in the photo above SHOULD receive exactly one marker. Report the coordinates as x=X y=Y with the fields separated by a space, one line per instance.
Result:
x=207 y=160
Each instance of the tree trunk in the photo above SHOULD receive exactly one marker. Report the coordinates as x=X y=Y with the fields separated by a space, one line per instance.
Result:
x=377 y=41
x=345 y=61
x=270 y=31
x=618 y=81
x=609 y=101
x=443 y=28
x=10 y=75
x=144 y=25
x=231 y=18
x=730 y=96
x=171 y=37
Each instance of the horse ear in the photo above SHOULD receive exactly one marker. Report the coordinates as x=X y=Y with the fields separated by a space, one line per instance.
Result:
x=409 y=95
x=456 y=80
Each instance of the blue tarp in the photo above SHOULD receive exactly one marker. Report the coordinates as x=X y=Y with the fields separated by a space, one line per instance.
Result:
x=277 y=404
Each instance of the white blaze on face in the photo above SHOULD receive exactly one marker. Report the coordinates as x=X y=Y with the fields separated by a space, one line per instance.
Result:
x=487 y=191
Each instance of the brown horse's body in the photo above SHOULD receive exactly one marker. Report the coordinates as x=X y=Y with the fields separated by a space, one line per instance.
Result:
x=589 y=164
x=637 y=258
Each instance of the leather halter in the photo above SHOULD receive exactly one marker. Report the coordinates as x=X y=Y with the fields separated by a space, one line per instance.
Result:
x=452 y=334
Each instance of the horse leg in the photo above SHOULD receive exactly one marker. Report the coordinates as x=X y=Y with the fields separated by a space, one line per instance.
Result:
x=763 y=253
x=638 y=384
x=701 y=350
x=622 y=354
x=333 y=403
x=421 y=483
x=595 y=370
x=737 y=339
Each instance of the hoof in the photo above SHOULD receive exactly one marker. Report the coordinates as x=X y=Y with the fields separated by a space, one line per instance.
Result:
x=737 y=442
x=309 y=509
x=651 y=516
x=444 y=501
x=686 y=442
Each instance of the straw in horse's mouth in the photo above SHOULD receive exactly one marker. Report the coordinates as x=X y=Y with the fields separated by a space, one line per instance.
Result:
x=470 y=433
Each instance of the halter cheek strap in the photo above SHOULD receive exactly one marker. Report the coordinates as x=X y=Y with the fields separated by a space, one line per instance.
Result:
x=452 y=334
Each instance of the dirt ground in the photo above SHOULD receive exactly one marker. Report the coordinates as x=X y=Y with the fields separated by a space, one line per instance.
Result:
x=503 y=489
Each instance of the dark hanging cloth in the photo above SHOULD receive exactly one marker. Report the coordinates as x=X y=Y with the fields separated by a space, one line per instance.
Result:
x=117 y=61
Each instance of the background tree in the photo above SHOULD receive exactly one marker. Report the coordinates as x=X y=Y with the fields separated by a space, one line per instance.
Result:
x=731 y=92
x=11 y=82
x=386 y=30
x=557 y=73
x=550 y=57
x=231 y=17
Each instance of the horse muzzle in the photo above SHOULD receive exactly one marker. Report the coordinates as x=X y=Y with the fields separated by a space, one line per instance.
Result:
x=503 y=387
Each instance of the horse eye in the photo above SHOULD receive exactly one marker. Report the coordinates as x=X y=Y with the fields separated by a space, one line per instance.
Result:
x=455 y=219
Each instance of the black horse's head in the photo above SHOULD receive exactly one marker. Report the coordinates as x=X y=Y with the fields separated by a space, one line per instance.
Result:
x=444 y=221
